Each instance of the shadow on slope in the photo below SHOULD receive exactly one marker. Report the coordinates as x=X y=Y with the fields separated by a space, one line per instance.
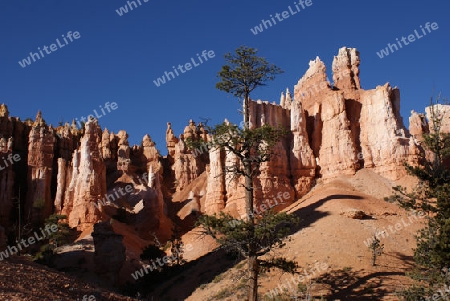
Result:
x=345 y=284
x=178 y=283
x=309 y=214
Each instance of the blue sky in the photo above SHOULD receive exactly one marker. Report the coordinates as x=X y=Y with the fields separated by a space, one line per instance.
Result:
x=117 y=58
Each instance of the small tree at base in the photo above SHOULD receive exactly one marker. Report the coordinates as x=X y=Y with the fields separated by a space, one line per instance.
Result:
x=376 y=247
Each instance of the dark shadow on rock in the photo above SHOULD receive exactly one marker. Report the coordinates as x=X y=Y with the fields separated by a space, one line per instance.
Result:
x=178 y=283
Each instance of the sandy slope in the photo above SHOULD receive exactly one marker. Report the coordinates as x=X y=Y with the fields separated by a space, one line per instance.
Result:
x=329 y=238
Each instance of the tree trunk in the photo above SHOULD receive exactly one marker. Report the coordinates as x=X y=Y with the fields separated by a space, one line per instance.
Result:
x=253 y=265
x=253 y=271
x=248 y=190
x=246 y=111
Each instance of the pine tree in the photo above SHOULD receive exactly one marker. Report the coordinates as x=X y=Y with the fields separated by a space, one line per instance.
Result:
x=256 y=235
x=54 y=239
x=432 y=254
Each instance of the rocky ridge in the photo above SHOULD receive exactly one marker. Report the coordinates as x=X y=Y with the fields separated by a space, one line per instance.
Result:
x=337 y=128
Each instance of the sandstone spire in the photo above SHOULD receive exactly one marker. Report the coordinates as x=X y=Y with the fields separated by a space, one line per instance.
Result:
x=171 y=140
x=151 y=177
x=313 y=84
x=4 y=111
x=282 y=100
x=346 y=69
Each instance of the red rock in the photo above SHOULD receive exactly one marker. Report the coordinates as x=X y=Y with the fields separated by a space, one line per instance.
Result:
x=41 y=147
x=87 y=182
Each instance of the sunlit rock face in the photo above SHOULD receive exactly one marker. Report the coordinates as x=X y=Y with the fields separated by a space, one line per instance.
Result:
x=336 y=128
x=87 y=183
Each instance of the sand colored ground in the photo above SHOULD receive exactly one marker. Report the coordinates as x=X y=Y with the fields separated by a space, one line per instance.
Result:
x=330 y=238
x=328 y=241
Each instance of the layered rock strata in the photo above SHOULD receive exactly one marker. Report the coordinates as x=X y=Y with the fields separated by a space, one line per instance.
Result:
x=41 y=147
x=87 y=183
x=336 y=128
x=351 y=128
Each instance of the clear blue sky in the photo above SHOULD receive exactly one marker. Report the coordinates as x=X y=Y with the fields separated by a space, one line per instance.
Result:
x=117 y=58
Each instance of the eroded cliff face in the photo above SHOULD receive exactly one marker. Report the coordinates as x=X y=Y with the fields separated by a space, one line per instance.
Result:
x=6 y=168
x=336 y=128
x=41 y=146
x=302 y=159
x=110 y=253
x=87 y=182
x=385 y=142
x=186 y=164
x=75 y=172
x=351 y=128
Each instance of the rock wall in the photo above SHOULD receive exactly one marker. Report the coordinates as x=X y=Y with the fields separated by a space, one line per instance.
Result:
x=336 y=128
x=385 y=142
x=302 y=159
x=41 y=148
x=6 y=172
x=69 y=170
x=224 y=191
x=350 y=128
x=109 y=255
x=87 y=183
x=441 y=112
x=6 y=180
x=187 y=164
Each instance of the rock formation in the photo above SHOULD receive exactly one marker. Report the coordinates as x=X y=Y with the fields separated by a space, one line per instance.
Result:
x=41 y=146
x=87 y=183
x=418 y=125
x=351 y=128
x=384 y=141
x=187 y=164
x=123 y=153
x=215 y=190
x=346 y=70
x=171 y=140
x=439 y=111
x=109 y=255
x=6 y=181
x=2 y=239
x=336 y=129
x=302 y=159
